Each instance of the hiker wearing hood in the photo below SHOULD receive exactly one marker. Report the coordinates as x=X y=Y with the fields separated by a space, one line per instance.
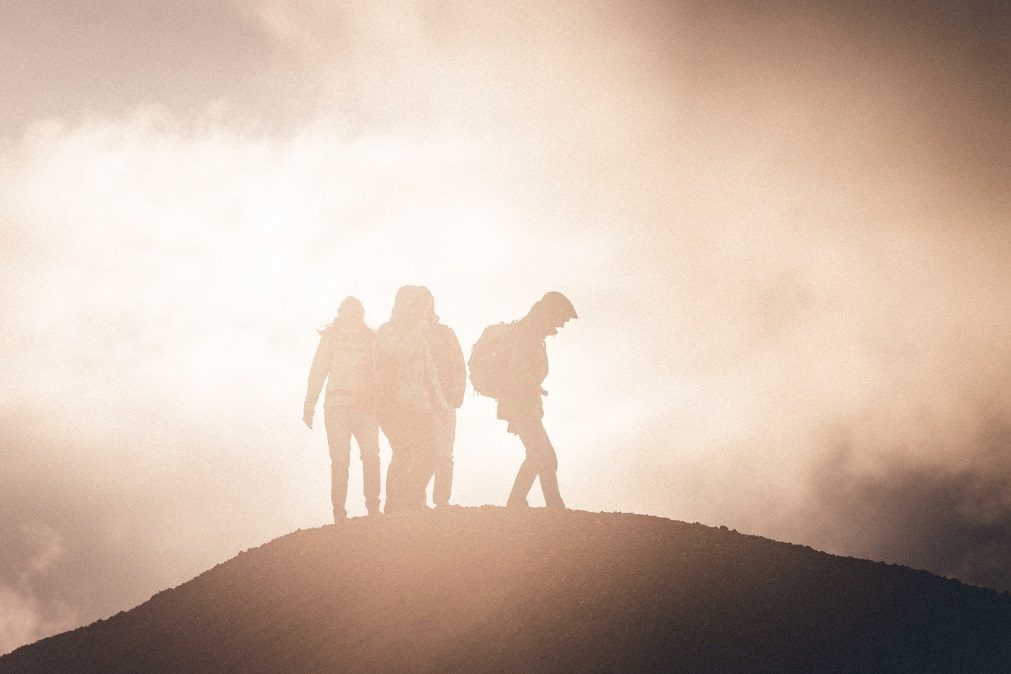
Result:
x=345 y=360
x=410 y=399
x=452 y=373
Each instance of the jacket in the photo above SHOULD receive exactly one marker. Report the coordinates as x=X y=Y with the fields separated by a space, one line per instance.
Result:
x=528 y=367
x=406 y=378
x=345 y=360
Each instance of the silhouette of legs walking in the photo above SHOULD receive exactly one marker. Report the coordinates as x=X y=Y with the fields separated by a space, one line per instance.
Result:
x=341 y=424
x=541 y=461
x=366 y=432
x=411 y=438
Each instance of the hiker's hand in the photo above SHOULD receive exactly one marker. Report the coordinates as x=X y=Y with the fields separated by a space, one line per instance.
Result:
x=307 y=416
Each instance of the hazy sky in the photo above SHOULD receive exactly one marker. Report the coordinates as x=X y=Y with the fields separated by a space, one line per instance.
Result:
x=785 y=227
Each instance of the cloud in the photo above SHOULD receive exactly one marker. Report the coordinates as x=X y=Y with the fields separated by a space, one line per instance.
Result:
x=27 y=610
x=952 y=516
x=23 y=620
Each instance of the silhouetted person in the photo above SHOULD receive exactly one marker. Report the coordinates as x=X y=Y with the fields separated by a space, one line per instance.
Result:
x=410 y=402
x=452 y=373
x=520 y=404
x=345 y=359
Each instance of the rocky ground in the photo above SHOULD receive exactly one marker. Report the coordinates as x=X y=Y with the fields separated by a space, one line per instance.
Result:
x=486 y=589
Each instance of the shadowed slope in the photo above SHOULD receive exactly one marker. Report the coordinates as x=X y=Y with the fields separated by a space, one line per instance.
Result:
x=490 y=589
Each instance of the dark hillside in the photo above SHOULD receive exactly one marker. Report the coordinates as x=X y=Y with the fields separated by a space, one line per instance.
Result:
x=488 y=589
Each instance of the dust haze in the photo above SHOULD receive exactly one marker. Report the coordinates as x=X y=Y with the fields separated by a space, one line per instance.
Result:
x=785 y=229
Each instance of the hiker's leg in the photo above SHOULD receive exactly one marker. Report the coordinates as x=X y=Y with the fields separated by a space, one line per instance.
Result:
x=443 y=486
x=549 y=469
x=542 y=460
x=529 y=468
x=367 y=435
x=422 y=462
x=338 y=434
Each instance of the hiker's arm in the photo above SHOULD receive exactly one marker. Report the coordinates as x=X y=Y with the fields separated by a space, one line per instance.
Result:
x=458 y=378
x=317 y=376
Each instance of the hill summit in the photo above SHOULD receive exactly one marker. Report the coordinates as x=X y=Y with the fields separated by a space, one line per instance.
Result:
x=491 y=589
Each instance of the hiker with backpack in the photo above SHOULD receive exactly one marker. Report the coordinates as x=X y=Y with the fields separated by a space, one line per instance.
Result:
x=345 y=361
x=410 y=399
x=452 y=374
x=509 y=363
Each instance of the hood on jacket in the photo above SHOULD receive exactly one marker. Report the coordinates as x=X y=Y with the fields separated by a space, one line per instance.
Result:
x=410 y=305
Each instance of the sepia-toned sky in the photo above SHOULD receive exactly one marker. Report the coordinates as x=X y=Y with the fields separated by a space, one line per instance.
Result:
x=786 y=227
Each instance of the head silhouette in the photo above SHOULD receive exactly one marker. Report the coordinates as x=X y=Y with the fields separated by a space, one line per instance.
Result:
x=350 y=315
x=351 y=310
x=410 y=305
x=551 y=312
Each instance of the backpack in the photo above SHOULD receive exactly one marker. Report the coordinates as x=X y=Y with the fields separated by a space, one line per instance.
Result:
x=489 y=360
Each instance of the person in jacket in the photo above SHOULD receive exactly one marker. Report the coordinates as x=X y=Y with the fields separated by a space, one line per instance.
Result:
x=411 y=403
x=520 y=404
x=345 y=361
x=451 y=371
